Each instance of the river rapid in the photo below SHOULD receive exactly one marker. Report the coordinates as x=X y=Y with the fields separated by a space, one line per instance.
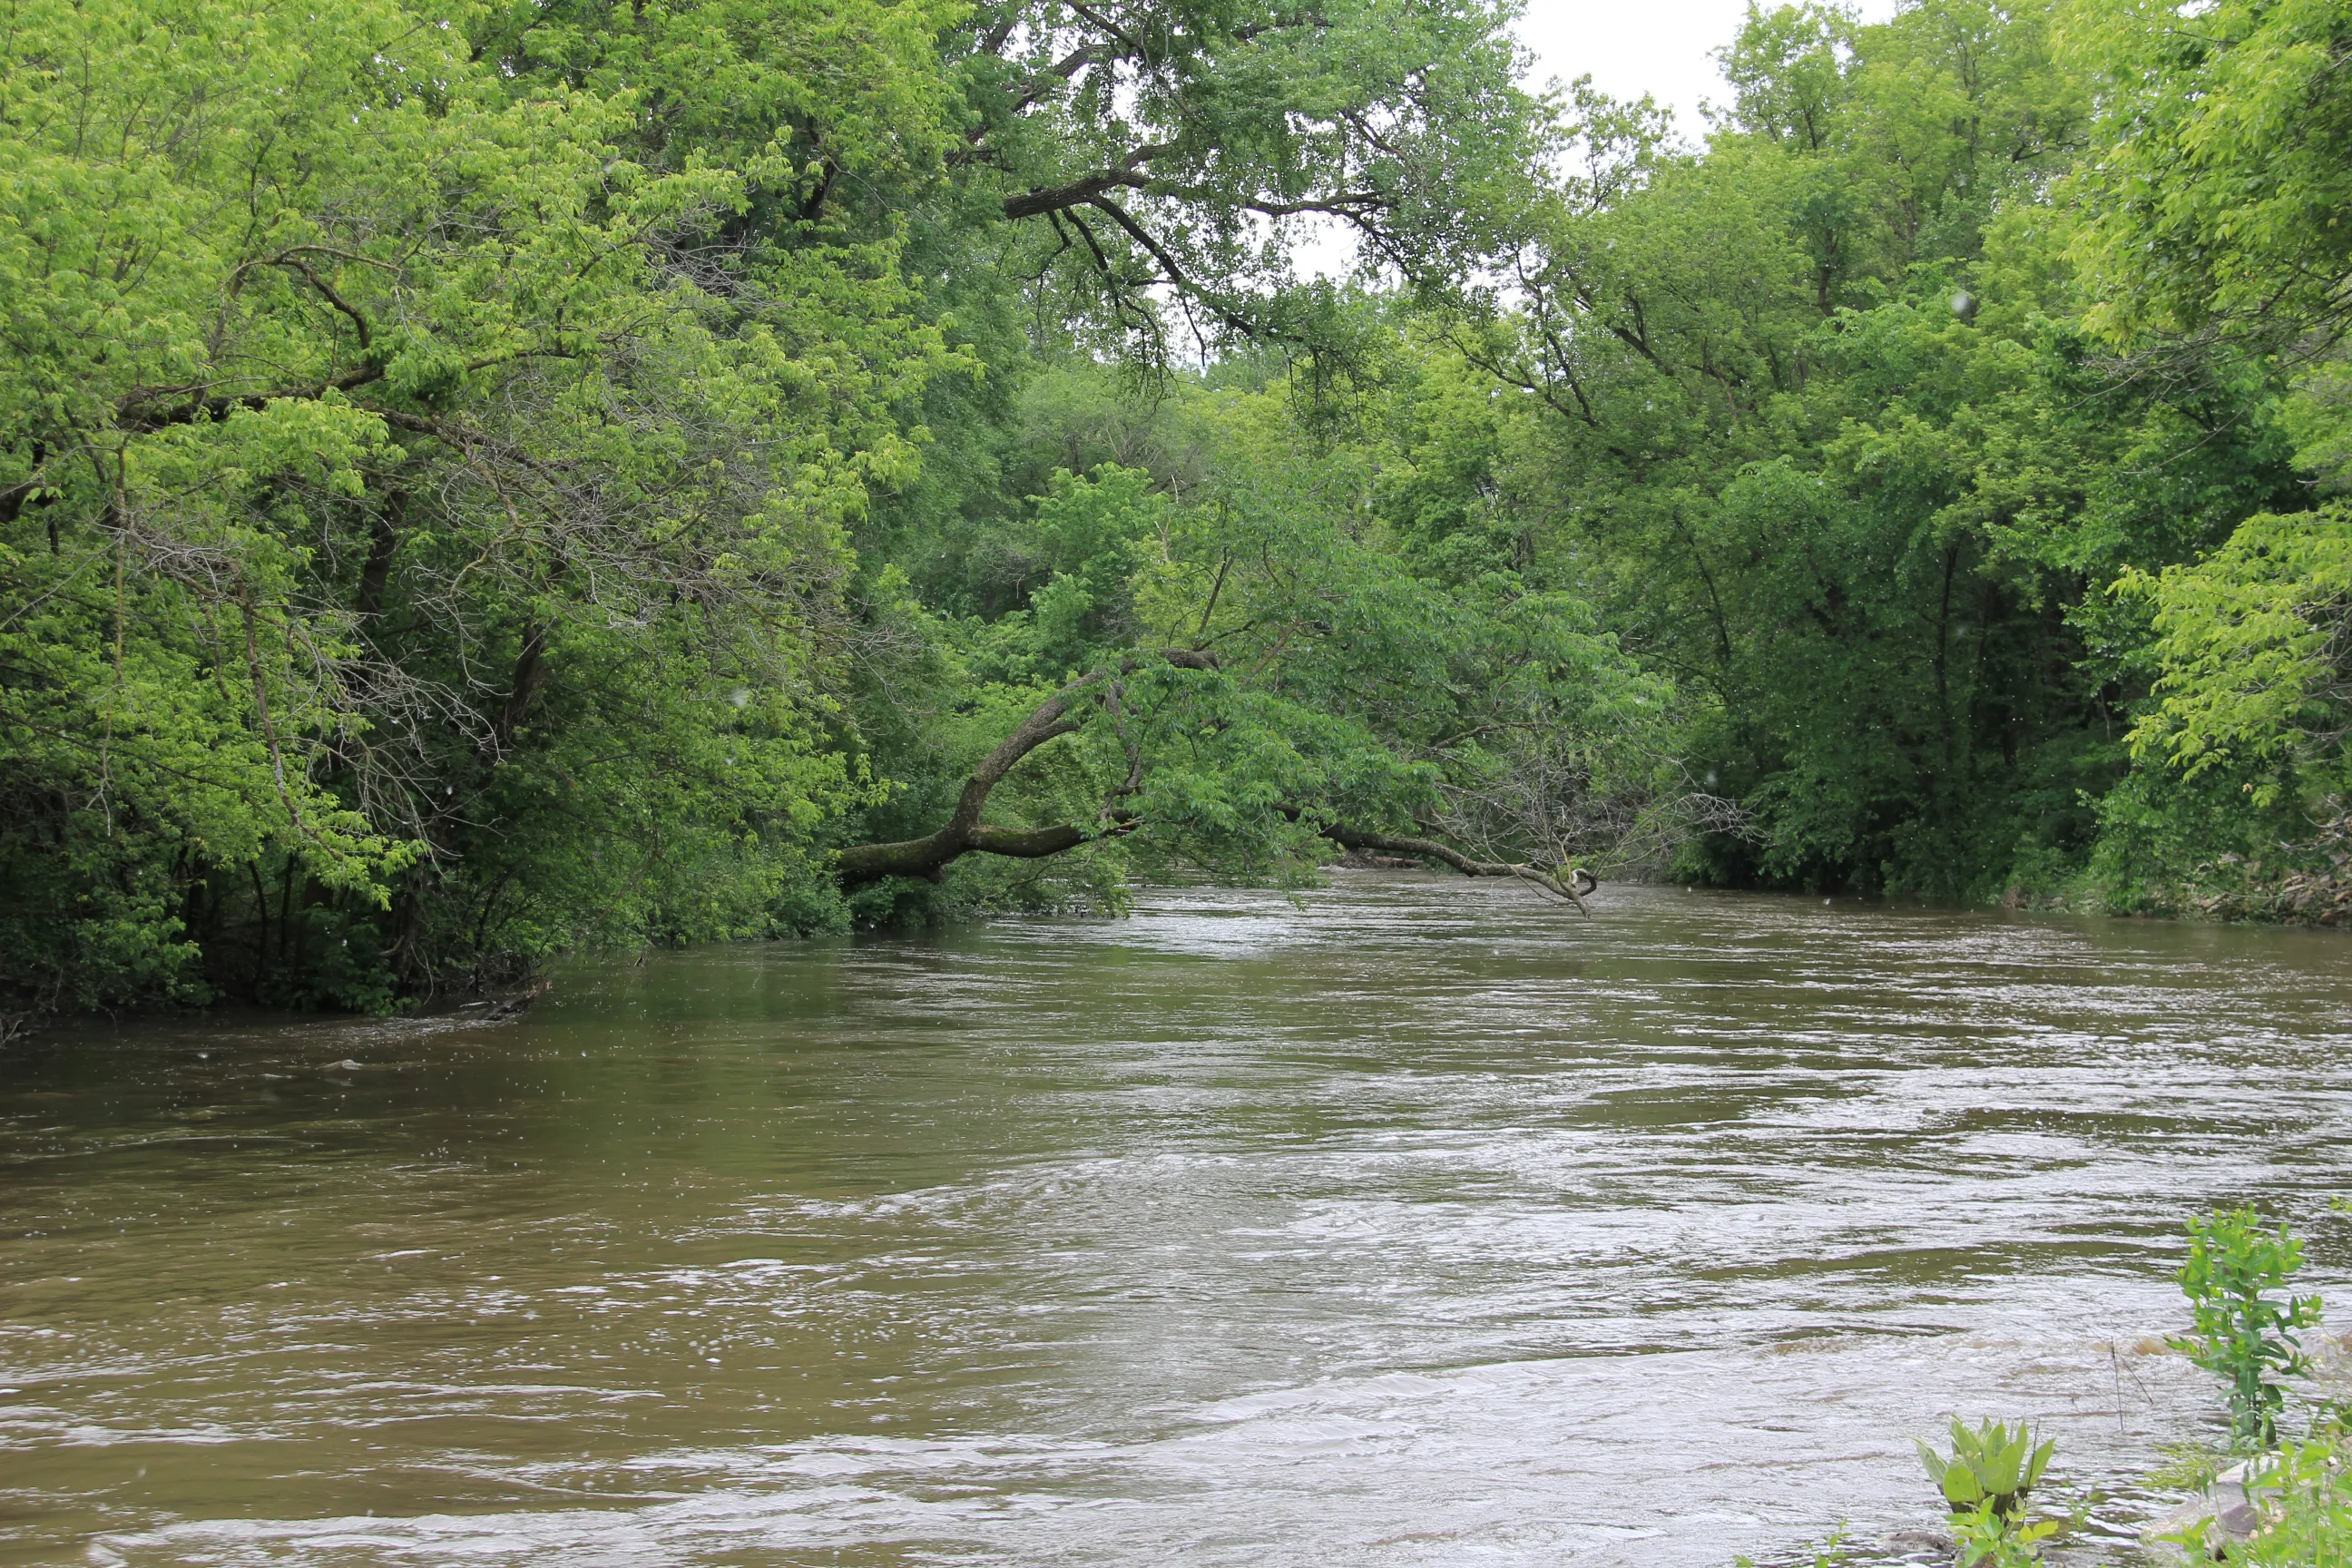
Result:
x=1421 y=1223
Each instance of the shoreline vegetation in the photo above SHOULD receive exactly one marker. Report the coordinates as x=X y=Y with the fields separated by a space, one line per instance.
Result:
x=2275 y=1492
x=482 y=483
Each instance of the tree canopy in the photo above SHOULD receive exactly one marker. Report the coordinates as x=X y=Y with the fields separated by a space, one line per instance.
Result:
x=480 y=481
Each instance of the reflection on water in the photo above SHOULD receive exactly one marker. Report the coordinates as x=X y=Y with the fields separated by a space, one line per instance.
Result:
x=1420 y=1224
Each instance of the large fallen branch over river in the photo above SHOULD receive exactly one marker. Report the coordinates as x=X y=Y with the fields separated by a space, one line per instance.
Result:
x=1580 y=882
x=1065 y=713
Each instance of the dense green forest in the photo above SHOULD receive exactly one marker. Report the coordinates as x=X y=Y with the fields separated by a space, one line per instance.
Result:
x=484 y=480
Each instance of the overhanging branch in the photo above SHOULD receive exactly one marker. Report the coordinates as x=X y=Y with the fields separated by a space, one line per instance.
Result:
x=1580 y=882
x=964 y=834
x=1089 y=188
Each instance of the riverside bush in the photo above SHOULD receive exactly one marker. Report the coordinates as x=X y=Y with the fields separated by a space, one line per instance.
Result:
x=2313 y=1522
x=1985 y=1481
x=2302 y=1490
x=2245 y=1335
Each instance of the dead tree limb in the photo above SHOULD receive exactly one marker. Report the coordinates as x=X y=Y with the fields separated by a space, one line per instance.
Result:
x=1580 y=882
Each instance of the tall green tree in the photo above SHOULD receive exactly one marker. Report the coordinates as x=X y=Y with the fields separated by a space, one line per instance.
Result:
x=1238 y=674
x=2214 y=242
x=1813 y=416
x=420 y=543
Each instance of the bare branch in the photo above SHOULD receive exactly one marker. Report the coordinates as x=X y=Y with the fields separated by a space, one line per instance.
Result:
x=1580 y=882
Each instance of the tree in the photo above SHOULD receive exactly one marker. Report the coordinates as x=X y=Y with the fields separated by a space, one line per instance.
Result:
x=2212 y=238
x=1127 y=161
x=357 y=418
x=1813 y=421
x=2217 y=203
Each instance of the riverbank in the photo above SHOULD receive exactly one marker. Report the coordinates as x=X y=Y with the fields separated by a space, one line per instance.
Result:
x=2308 y=903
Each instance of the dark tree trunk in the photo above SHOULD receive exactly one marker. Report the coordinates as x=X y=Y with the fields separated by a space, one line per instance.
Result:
x=930 y=855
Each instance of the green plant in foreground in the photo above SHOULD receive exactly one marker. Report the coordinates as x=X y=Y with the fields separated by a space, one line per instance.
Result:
x=2306 y=1498
x=1990 y=1467
x=1987 y=1538
x=2245 y=1335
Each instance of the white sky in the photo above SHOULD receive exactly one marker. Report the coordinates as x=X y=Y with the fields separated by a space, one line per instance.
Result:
x=1664 y=47
x=1633 y=46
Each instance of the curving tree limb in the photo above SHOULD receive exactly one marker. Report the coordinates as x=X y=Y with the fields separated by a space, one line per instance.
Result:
x=1580 y=882
x=930 y=855
x=964 y=833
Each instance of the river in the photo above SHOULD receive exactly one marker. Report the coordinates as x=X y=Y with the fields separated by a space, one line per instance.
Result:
x=1418 y=1223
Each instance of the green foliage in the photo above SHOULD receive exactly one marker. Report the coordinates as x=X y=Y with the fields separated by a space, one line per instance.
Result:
x=1989 y=1465
x=2255 y=646
x=478 y=483
x=1347 y=687
x=2309 y=1522
x=379 y=560
x=1831 y=1552
x=1986 y=1535
x=1830 y=422
x=2226 y=167
x=2190 y=1464
x=2303 y=1496
x=1860 y=520
x=2214 y=261
x=1985 y=1481
x=2243 y=1333
x=435 y=447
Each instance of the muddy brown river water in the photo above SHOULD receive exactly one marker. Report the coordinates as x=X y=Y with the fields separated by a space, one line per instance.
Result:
x=1419 y=1225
